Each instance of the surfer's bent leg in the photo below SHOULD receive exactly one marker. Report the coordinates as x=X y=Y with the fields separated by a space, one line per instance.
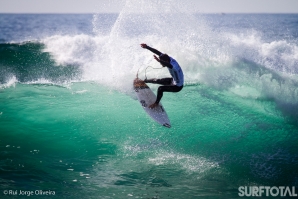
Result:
x=163 y=81
x=162 y=89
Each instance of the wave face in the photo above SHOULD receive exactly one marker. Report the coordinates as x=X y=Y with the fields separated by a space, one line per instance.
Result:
x=70 y=122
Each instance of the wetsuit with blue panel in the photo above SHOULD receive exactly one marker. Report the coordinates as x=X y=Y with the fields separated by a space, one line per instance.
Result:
x=172 y=84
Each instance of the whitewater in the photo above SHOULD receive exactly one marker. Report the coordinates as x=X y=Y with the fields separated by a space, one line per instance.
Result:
x=70 y=122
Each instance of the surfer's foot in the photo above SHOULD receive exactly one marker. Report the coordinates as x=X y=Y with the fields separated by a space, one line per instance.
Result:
x=152 y=106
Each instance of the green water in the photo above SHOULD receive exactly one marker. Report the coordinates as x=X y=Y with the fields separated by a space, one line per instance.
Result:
x=85 y=140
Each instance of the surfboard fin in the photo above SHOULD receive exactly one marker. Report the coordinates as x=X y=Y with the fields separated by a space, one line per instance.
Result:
x=167 y=125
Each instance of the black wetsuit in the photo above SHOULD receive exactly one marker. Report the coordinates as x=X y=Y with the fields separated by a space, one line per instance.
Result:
x=166 y=82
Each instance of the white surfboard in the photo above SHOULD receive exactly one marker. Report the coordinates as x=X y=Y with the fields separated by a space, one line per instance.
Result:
x=146 y=97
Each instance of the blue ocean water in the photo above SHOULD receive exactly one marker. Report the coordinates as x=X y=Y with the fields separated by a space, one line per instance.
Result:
x=70 y=122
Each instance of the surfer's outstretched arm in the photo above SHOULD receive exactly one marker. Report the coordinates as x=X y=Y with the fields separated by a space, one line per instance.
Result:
x=151 y=49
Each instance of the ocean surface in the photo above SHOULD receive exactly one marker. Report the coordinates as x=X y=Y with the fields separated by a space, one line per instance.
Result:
x=70 y=122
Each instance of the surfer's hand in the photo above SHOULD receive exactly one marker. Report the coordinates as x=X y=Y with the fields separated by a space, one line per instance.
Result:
x=156 y=58
x=144 y=45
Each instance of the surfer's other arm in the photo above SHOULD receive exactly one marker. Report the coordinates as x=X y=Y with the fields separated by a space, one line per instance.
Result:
x=163 y=62
x=163 y=59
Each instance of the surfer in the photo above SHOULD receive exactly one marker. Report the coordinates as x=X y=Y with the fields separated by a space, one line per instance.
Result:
x=171 y=84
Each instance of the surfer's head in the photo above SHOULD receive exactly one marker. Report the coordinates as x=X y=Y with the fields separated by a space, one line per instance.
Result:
x=164 y=57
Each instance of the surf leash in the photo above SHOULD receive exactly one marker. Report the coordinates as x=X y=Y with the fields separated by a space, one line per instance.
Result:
x=150 y=67
x=146 y=71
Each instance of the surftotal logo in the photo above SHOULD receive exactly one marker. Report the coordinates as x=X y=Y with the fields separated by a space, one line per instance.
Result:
x=258 y=191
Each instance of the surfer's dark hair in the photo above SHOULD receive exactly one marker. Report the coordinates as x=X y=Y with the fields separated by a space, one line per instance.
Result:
x=165 y=57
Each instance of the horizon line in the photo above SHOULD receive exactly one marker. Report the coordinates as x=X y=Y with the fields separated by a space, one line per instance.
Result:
x=220 y=13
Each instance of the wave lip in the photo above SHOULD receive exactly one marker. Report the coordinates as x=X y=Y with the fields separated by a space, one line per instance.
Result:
x=278 y=55
x=28 y=62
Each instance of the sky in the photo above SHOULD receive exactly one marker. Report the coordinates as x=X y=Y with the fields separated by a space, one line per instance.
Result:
x=114 y=6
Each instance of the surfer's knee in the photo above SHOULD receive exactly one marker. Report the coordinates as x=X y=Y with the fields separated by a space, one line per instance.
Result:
x=160 y=89
x=180 y=88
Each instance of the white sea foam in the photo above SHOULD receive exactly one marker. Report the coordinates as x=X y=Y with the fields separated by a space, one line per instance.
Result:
x=114 y=58
x=11 y=82
x=189 y=163
x=44 y=81
x=280 y=55
x=159 y=156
